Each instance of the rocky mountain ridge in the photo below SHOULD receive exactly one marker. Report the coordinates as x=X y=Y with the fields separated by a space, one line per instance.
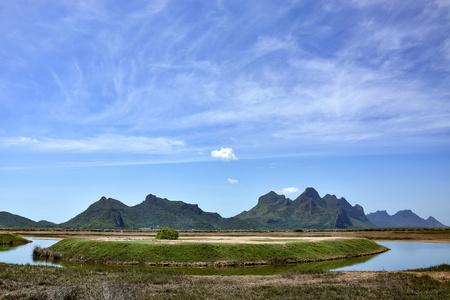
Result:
x=272 y=211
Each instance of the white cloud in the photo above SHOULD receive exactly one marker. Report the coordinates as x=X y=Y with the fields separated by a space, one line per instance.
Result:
x=225 y=154
x=288 y=190
x=233 y=181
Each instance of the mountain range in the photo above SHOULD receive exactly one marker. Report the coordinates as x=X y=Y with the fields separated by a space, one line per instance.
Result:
x=403 y=218
x=273 y=211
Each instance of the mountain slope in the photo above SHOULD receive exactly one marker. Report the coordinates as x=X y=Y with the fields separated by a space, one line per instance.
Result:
x=153 y=212
x=273 y=211
x=403 y=218
x=309 y=210
x=9 y=220
x=103 y=214
x=157 y=212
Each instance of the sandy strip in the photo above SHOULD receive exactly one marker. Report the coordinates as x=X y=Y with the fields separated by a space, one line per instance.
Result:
x=219 y=239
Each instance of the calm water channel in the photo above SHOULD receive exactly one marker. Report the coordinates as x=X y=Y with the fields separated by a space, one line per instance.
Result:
x=402 y=256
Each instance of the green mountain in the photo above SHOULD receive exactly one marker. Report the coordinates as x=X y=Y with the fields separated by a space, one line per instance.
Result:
x=273 y=211
x=308 y=210
x=153 y=212
x=403 y=218
x=9 y=220
x=103 y=214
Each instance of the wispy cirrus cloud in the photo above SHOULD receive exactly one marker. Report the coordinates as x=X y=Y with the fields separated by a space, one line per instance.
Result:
x=107 y=143
x=339 y=76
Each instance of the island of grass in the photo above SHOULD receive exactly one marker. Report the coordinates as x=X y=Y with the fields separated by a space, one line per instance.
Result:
x=12 y=239
x=207 y=254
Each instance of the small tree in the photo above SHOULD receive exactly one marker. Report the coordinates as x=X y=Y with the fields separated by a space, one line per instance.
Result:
x=166 y=233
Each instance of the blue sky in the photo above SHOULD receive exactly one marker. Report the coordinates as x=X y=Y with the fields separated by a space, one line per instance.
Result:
x=219 y=102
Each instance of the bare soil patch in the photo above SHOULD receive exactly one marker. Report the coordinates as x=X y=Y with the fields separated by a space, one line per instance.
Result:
x=417 y=235
x=220 y=239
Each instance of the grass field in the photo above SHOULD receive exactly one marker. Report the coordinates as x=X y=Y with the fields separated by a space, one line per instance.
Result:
x=39 y=282
x=192 y=253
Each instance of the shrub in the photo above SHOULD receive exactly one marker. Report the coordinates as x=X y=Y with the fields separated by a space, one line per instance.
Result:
x=166 y=233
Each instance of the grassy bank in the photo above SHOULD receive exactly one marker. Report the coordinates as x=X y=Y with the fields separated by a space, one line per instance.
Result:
x=40 y=282
x=152 y=253
x=12 y=239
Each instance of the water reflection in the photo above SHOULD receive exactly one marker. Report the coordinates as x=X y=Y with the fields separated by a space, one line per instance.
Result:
x=227 y=271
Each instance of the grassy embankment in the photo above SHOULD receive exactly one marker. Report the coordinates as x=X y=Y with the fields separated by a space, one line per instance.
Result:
x=43 y=282
x=12 y=239
x=191 y=253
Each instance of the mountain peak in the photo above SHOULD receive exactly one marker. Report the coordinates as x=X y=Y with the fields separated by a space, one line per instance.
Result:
x=405 y=213
x=431 y=221
x=151 y=197
x=311 y=193
x=381 y=213
x=271 y=197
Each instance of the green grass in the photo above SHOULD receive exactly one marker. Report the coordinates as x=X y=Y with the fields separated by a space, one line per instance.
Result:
x=150 y=252
x=12 y=239
x=438 y=268
x=42 y=282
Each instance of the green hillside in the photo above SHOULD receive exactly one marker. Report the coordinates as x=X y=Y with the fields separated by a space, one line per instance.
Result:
x=103 y=214
x=309 y=210
x=9 y=220
x=152 y=213
x=273 y=211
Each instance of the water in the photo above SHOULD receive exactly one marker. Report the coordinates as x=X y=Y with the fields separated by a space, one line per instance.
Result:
x=402 y=256
x=23 y=254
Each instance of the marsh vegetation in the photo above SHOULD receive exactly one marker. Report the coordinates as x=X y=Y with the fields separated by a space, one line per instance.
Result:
x=39 y=282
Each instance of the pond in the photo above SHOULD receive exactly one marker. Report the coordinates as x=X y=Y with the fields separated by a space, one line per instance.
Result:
x=23 y=254
x=405 y=255
x=402 y=256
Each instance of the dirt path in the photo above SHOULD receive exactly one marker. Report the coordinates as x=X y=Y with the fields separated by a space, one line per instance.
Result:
x=219 y=239
x=407 y=235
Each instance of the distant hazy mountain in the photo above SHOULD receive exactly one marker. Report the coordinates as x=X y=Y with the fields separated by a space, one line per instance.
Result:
x=403 y=218
x=308 y=210
x=9 y=220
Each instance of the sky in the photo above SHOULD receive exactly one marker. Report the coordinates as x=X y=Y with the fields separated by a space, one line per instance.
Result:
x=217 y=103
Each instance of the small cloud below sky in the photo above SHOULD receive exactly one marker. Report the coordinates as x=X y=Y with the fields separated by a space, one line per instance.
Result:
x=225 y=154
x=233 y=181
x=288 y=190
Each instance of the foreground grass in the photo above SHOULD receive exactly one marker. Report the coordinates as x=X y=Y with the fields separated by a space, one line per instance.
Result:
x=208 y=253
x=12 y=239
x=39 y=282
